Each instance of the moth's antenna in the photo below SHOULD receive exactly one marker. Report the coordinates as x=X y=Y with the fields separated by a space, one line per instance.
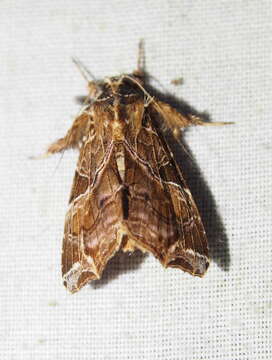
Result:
x=88 y=76
x=141 y=57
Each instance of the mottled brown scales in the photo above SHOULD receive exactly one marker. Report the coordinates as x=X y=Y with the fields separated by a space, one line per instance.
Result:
x=128 y=192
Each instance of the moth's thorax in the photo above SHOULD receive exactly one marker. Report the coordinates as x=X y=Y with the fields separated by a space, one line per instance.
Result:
x=124 y=87
x=118 y=103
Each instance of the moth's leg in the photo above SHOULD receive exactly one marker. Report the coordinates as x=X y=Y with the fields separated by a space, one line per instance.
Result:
x=73 y=137
x=177 y=121
x=197 y=120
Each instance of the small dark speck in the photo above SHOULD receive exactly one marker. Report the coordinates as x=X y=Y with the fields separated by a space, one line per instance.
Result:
x=41 y=341
x=266 y=146
x=52 y=303
x=177 y=82
x=146 y=197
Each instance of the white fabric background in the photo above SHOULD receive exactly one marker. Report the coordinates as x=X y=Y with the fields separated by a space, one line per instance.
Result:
x=222 y=49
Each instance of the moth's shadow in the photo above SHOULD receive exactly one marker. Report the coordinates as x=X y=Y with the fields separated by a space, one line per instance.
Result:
x=120 y=264
x=212 y=221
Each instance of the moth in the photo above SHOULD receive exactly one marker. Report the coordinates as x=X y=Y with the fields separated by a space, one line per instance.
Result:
x=128 y=192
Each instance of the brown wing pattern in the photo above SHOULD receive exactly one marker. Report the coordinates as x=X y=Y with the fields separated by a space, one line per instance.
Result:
x=92 y=232
x=163 y=217
x=128 y=191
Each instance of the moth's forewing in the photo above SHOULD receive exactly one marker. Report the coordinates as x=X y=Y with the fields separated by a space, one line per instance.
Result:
x=163 y=217
x=92 y=225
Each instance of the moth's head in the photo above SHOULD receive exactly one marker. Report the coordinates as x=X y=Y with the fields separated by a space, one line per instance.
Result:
x=123 y=85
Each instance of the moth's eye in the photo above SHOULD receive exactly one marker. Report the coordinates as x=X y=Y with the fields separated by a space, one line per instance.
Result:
x=128 y=88
x=124 y=89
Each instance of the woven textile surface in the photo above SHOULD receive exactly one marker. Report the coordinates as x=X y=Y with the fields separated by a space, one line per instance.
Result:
x=138 y=310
